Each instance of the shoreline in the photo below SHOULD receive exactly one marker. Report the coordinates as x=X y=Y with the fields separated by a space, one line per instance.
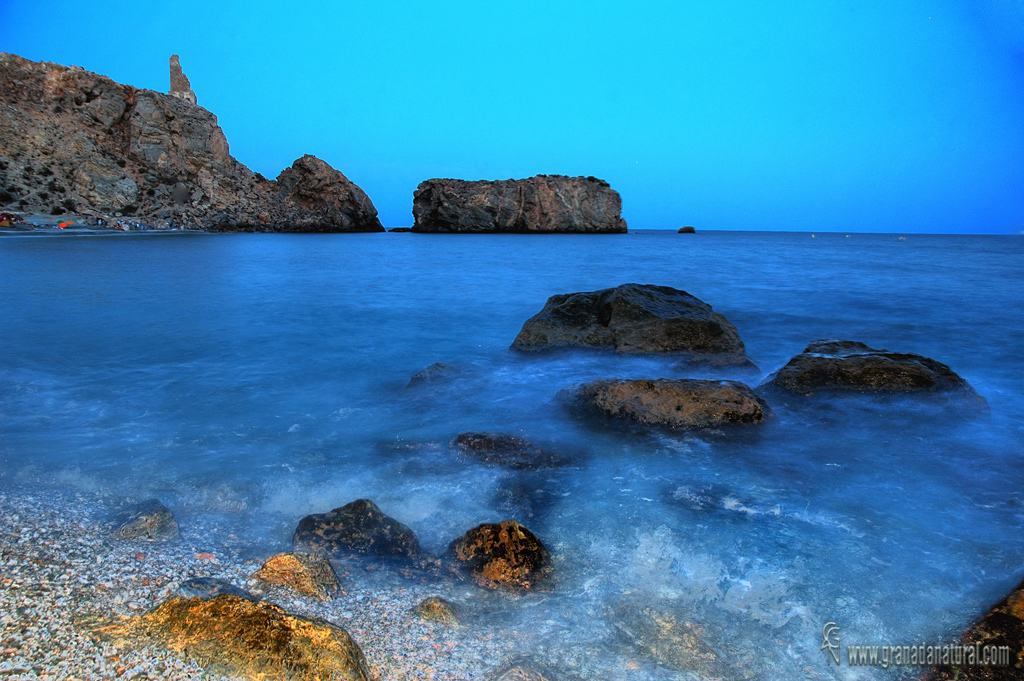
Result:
x=63 y=566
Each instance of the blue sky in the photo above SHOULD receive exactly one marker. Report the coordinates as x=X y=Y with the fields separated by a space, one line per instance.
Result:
x=895 y=115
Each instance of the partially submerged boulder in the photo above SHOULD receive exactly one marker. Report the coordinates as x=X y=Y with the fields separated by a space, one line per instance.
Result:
x=210 y=587
x=237 y=637
x=544 y=203
x=833 y=367
x=438 y=610
x=504 y=554
x=310 y=574
x=500 y=449
x=635 y=319
x=437 y=371
x=147 y=520
x=664 y=637
x=358 y=528
x=681 y=403
x=523 y=671
x=1003 y=625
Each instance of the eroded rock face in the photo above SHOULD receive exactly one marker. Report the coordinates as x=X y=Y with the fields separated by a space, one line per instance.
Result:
x=237 y=637
x=148 y=520
x=682 y=403
x=504 y=554
x=1003 y=625
x=180 y=87
x=544 y=203
x=310 y=574
x=839 y=366
x=75 y=141
x=635 y=319
x=358 y=528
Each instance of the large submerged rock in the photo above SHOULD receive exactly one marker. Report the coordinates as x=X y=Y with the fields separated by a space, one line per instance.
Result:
x=682 y=403
x=1003 y=629
x=358 y=528
x=544 y=203
x=238 y=637
x=635 y=319
x=833 y=367
x=501 y=449
x=76 y=141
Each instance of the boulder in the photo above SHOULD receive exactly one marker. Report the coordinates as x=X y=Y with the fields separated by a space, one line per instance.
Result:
x=80 y=142
x=435 y=372
x=438 y=610
x=236 y=637
x=208 y=587
x=358 y=528
x=148 y=520
x=635 y=319
x=1003 y=625
x=832 y=367
x=504 y=554
x=499 y=449
x=681 y=403
x=310 y=574
x=541 y=204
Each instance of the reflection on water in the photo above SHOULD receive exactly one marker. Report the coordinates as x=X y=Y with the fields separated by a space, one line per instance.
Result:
x=264 y=378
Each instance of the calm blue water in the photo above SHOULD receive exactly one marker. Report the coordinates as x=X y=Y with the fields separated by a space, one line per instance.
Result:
x=263 y=377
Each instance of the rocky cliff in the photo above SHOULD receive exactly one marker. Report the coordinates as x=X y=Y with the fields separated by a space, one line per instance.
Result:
x=75 y=141
x=545 y=203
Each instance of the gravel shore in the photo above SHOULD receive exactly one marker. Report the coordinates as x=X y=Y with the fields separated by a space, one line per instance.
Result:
x=61 y=566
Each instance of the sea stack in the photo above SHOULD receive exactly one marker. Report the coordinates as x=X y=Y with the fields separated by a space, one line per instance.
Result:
x=535 y=205
x=180 y=87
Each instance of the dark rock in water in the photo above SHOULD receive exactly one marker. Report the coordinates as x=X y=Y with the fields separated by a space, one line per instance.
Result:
x=687 y=230
x=837 y=366
x=1003 y=625
x=435 y=372
x=436 y=609
x=502 y=554
x=310 y=574
x=237 y=637
x=683 y=403
x=634 y=319
x=148 y=520
x=358 y=528
x=499 y=449
x=545 y=203
x=208 y=587
x=523 y=671
x=110 y=149
x=400 y=229
x=667 y=639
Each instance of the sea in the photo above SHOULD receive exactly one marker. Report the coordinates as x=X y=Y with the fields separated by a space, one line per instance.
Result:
x=263 y=377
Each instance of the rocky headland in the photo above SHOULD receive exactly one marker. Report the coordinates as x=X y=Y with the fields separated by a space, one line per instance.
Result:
x=72 y=141
x=540 y=204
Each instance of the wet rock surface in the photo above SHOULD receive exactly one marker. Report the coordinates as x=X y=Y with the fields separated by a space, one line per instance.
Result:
x=310 y=574
x=208 y=587
x=358 y=528
x=679 y=403
x=436 y=609
x=544 y=203
x=147 y=520
x=664 y=637
x=830 y=367
x=635 y=319
x=523 y=671
x=504 y=554
x=507 y=451
x=438 y=371
x=1002 y=625
x=238 y=637
x=79 y=142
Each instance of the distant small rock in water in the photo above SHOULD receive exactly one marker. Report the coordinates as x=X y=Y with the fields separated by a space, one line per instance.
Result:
x=310 y=574
x=682 y=403
x=358 y=528
x=499 y=449
x=504 y=554
x=687 y=230
x=435 y=372
x=237 y=637
x=209 y=587
x=148 y=520
x=436 y=609
x=830 y=367
x=400 y=229
x=540 y=204
x=634 y=319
